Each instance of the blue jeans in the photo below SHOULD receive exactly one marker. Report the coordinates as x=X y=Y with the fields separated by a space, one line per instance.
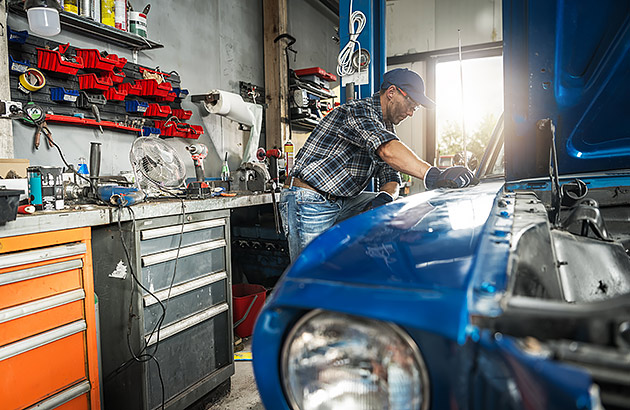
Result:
x=306 y=213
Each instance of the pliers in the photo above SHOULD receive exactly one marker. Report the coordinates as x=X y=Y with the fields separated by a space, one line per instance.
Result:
x=43 y=127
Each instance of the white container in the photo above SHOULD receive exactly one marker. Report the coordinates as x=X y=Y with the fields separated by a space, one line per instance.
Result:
x=43 y=21
x=120 y=14
x=138 y=23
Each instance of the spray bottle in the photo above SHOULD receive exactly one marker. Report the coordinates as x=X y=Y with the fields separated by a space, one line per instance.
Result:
x=288 y=157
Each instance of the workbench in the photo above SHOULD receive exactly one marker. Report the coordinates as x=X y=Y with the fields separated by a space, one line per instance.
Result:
x=135 y=260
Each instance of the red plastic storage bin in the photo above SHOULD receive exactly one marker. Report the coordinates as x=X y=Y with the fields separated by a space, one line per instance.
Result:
x=51 y=60
x=182 y=114
x=114 y=94
x=129 y=88
x=120 y=63
x=247 y=297
x=93 y=60
x=157 y=110
x=181 y=130
x=169 y=97
x=92 y=82
x=116 y=77
x=151 y=88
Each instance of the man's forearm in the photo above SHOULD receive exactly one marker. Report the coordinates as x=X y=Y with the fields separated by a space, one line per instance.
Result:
x=402 y=159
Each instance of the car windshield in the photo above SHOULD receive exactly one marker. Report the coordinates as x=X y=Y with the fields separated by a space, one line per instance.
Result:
x=492 y=164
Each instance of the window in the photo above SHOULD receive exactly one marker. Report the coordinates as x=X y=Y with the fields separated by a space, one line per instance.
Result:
x=482 y=107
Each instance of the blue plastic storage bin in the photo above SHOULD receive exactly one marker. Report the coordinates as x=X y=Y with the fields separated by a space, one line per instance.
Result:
x=136 y=106
x=61 y=94
x=18 y=67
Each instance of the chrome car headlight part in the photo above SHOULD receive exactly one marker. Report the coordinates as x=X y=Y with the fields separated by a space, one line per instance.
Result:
x=336 y=361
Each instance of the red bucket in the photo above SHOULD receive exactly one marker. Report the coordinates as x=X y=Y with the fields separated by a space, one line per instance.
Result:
x=247 y=300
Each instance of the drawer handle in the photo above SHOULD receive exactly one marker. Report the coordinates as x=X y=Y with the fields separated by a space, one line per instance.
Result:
x=41 y=339
x=62 y=398
x=40 y=305
x=183 y=288
x=184 y=324
x=176 y=229
x=39 y=255
x=31 y=273
x=156 y=258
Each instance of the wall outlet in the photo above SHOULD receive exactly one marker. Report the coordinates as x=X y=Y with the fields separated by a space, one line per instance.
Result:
x=9 y=108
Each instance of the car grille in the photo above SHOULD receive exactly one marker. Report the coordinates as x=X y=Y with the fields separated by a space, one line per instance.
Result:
x=609 y=367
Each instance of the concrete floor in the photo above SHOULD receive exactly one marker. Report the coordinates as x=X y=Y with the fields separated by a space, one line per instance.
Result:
x=244 y=393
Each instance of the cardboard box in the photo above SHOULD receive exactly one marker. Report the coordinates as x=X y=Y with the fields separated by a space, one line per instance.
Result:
x=16 y=164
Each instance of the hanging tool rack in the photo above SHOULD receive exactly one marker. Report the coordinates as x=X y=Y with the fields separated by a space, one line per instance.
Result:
x=79 y=79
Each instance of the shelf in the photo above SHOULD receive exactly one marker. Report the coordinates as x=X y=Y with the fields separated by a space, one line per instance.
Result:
x=307 y=124
x=311 y=88
x=99 y=31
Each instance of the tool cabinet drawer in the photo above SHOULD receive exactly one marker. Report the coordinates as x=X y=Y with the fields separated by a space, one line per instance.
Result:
x=33 y=283
x=27 y=319
x=168 y=237
x=48 y=356
x=186 y=300
x=73 y=398
x=194 y=261
x=191 y=355
x=48 y=363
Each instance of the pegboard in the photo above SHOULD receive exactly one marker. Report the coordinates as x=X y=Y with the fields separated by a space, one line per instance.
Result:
x=111 y=111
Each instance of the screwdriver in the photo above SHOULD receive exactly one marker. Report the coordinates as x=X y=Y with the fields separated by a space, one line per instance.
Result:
x=97 y=115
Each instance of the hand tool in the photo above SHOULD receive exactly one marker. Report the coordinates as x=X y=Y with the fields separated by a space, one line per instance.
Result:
x=198 y=188
x=97 y=115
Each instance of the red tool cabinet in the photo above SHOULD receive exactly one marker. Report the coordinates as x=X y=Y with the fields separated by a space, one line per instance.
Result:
x=48 y=353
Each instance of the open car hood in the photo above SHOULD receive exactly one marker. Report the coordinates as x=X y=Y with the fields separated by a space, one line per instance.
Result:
x=570 y=63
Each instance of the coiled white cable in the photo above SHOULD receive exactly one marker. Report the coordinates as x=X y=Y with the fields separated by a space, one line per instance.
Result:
x=344 y=60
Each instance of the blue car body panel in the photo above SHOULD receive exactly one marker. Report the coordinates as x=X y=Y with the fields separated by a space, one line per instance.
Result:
x=568 y=61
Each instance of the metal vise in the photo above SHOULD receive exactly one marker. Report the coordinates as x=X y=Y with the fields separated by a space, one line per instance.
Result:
x=253 y=177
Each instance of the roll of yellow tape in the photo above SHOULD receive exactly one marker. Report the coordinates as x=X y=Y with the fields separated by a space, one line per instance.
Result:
x=32 y=80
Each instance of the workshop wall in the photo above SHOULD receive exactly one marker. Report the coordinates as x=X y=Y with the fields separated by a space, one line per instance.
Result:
x=313 y=26
x=212 y=44
x=415 y=26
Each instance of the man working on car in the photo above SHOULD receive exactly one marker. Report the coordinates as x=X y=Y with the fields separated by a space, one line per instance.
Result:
x=348 y=147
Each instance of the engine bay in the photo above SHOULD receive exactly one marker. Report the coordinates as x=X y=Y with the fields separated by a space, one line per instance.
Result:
x=569 y=285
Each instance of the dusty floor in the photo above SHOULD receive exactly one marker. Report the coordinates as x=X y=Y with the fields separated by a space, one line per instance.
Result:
x=244 y=393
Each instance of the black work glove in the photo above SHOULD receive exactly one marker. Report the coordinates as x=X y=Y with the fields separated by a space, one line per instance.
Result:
x=453 y=177
x=381 y=199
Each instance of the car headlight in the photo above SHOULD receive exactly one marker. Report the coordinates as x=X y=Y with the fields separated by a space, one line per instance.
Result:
x=336 y=361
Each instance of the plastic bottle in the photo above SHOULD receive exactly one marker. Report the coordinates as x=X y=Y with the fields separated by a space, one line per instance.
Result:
x=83 y=171
x=120 y=14
x=108 y=13
x=225 y=170
x=288 y=157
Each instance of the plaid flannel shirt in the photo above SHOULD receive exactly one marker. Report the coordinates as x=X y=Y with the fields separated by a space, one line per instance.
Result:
x=339 y=157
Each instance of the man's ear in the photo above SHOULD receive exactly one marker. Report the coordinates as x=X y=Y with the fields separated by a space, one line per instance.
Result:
x=391 y=91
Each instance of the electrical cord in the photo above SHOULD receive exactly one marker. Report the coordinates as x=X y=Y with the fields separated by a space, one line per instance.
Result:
x=344 y=59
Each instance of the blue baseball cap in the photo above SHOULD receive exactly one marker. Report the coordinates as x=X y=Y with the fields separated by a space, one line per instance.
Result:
x=410 y=82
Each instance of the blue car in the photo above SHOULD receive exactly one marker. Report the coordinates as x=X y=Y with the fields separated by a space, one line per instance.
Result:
x=512 y=294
